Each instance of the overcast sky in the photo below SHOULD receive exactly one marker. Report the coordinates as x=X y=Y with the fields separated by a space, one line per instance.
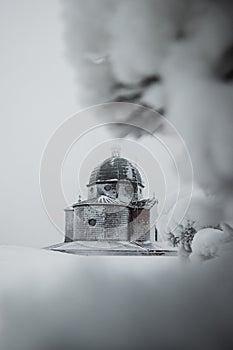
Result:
x=39 y=93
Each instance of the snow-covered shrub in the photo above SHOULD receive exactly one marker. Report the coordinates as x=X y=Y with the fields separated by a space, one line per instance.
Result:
x=209 y=243
x=204 y=212
x=183 y=237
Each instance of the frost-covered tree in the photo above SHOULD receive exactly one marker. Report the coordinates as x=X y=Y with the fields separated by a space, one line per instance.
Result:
x=183 y=237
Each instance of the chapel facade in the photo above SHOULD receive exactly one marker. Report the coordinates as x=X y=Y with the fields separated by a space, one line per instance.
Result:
x=115 y=209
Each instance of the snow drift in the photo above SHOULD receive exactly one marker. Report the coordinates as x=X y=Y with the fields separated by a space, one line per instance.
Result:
x=52 y=300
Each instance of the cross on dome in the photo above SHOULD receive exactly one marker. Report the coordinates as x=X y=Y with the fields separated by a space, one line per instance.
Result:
x=116 y=152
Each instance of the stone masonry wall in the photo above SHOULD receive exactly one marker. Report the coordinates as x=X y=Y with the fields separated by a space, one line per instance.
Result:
x=69 y=224
x=101 y=223
x=140 y=225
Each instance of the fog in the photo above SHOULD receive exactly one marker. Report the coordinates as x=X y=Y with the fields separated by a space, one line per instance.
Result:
x=175 y=56
x=58 y=57
x=37 y=92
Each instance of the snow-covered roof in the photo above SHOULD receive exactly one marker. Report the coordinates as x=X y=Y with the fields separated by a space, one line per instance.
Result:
x=100 y=200
x=114 y=169
x=113 y=248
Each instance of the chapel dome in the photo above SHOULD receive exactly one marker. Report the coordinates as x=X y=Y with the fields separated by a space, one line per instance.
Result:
x=115 y=168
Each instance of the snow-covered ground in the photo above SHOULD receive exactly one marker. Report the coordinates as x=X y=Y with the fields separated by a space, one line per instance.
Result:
x=51 y=300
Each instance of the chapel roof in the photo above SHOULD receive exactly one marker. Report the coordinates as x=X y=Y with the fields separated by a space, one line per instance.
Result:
x=115 y=168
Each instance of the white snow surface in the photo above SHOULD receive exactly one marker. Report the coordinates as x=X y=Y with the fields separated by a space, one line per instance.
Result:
x=51 y=300
x=206 y=243
x=211 y=243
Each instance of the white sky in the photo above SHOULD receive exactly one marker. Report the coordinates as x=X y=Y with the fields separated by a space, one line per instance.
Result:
x=38 y=93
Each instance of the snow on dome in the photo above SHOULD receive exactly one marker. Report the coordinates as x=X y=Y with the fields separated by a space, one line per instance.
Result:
x=113 y=169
